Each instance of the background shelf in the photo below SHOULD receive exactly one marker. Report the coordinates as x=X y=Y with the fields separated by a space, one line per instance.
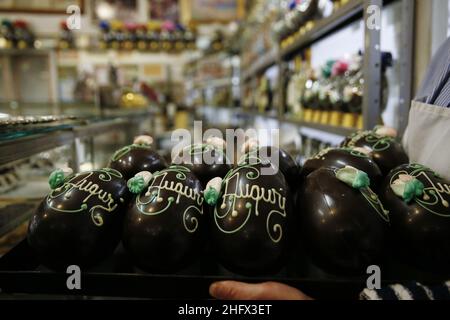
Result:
x=344 y=15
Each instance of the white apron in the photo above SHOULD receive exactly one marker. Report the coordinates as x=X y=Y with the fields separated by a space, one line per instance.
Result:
x=427 y=138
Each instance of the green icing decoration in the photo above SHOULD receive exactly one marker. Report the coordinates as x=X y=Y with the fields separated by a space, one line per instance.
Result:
x=408 y=190
x=353 y=177
x=56 y=179
x=136 y=185
x=361 y=181
x=211 y=196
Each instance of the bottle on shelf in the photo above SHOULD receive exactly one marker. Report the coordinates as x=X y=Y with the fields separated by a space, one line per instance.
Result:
x=325 y=84
x=129 y=36
x=179 y=38
x=338 y=80
x=7 y=40
x=66 y=38
x=106 y=36
x=141 y=37
x=117 y=35
x=24 y=37
x=310 y=97
x=353 y=93
x=153 y=36
x=167 y=36
x=190 y=39
x=295 y=88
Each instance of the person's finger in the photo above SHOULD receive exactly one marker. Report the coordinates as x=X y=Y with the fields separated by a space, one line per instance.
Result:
x=232 y=290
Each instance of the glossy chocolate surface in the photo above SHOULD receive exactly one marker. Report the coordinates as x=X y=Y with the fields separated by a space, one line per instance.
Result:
x=205 y=161
x=385 y=151
x=343 y=229
x=421 y=229
x=163 y=229
x=133 y=159
x=285 y=162
x=80 y=223
x=342 y=157
x=250 y=225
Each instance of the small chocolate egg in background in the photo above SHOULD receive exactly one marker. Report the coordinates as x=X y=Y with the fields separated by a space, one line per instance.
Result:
x=251 y=219
x=421 y=227
x=385 y=151
x=164 y=225
x=206 y=161
x=80 y=222
x=288 y=167
x=343 y=229
x=136 y=158
x=341 y=157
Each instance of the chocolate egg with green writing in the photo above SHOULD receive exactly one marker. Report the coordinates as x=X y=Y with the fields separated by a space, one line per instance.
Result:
x=342 y=157
x=343 y=224
x=80 y=221
x=419 y=202
x=384 y=150
x=163 y=229
x=206 y=161
x=251 y=218
x=139 y=156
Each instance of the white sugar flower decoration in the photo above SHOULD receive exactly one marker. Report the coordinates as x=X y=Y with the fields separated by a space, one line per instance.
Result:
x=139 y=182
x=143 y=140
x=386 y=132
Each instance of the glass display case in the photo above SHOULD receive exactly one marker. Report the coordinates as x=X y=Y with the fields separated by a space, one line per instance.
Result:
x=32 y=147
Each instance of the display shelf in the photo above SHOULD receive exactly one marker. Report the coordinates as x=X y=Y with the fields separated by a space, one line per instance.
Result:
x=17 y=149
x=341 y=131
x=323 y=27
x=100 y=127
x=213 y=83
x=264 y=62
x=17 y=52
x=255 y=113
x=24 y=147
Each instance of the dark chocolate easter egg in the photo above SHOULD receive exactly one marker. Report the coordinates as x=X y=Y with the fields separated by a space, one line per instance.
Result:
x=163 y=230
x=206 y=161
x=284 y=162
x=80 y=221
x=341 y=157
x=418 y=200
x=250 y=225
x=343 y=227
x=136 y=158
x=385 y=150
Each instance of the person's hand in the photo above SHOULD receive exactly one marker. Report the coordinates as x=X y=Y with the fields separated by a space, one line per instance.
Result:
x=232 y=290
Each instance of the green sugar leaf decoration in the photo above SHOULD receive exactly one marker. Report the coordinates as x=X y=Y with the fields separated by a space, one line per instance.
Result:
x=353 y=177
x=136 y=185
x=361 y=181
x=56 y=179
x=408 y=187
x=211 y=196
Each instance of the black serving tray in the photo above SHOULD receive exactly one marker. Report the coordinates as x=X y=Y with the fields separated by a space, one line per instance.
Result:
x=21 y=274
